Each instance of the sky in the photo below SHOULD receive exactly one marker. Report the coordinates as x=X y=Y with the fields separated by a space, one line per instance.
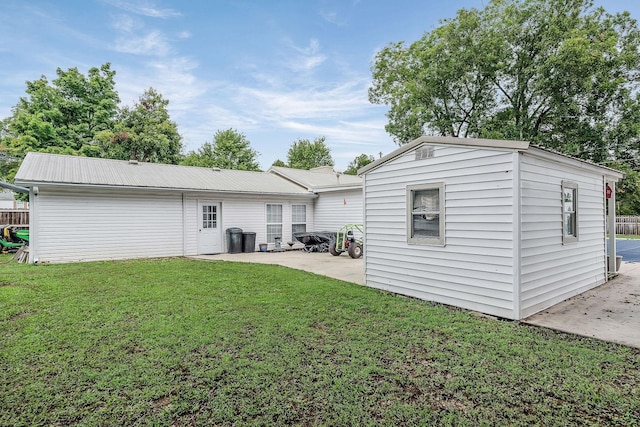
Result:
x=275 y=70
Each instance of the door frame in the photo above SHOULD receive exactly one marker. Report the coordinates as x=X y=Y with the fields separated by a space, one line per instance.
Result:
x=220 y=242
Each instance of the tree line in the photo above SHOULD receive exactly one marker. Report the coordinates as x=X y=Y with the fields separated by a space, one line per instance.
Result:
x=80 y=115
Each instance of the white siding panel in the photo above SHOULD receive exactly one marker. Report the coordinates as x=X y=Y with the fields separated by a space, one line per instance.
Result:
x=332 y=210
x=250 y=214
x=87 y=226
x=551 y=271
x=475 y=267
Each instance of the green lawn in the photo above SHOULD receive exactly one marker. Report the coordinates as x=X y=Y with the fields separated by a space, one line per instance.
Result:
x=184 y=342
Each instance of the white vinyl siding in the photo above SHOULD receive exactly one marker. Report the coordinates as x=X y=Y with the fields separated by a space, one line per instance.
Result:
x=550 y=270
x=334 y=209
x=248 y=213
x=103 y=225
x=475 y=268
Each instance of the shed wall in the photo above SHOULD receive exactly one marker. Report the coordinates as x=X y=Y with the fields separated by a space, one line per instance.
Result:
x=475 y=268
x=550 y=271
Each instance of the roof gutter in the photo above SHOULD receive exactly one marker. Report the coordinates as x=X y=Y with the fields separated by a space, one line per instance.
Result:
x=14 y=187
x=166 y=189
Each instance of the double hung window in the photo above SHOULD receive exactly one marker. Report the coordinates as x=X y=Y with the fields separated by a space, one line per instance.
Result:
x=425 y=214
x=274 y=222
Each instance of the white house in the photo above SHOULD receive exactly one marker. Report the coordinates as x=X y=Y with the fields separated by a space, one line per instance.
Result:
x=85 y=209
x=499 y=227
x=339 y=200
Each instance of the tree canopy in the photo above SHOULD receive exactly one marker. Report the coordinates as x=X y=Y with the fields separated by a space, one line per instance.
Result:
x=359 y=162
x=64 y=115
x=230 y=150
x=557 y=73
x=304 y=154
x=553 y=72
x=79 y=115
x=145 y=132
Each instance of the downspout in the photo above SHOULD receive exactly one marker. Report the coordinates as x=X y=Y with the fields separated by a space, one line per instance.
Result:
x=611 y=205
x=33 y=224
x=14 y=187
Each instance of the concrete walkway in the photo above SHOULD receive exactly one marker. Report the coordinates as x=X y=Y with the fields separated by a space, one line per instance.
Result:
x=341 y=267
x=610 y=312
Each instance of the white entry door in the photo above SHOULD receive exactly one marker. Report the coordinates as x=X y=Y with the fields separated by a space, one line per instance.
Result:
x=209 y=235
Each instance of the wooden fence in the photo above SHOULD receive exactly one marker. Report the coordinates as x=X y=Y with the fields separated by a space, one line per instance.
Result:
x=14 y=217
x=628 y=225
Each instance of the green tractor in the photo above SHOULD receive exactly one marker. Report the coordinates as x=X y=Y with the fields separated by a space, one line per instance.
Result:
x=347 y=241
x=12 y=238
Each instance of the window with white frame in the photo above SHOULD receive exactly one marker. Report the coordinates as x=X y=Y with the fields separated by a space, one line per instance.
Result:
x=209 y=216
x=298 y=218
x=569 y=212
x=425 y=214
x=274 y=222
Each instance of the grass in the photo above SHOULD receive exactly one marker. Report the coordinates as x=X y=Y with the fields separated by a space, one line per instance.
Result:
x=184 y=342
x=627 y=236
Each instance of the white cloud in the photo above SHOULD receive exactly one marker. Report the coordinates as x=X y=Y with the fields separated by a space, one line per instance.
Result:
x=124 y=23
x=332 y=17
x=309 y=57
x=346 y=98
x=152 y=44
x=144 y=8
x=184 y=35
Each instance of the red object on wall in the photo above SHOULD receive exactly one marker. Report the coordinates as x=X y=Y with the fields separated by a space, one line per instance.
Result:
x=608 y=192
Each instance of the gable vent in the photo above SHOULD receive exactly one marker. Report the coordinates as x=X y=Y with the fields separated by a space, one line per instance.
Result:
x=424 y=153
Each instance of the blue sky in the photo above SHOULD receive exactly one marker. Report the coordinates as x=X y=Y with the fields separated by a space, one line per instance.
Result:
x=274 y=70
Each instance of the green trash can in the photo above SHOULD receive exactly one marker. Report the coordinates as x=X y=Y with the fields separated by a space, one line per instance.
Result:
x=248 y=242
x=234 y=240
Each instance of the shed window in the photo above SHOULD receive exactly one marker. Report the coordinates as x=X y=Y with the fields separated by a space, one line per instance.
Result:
x=425 y=214
x=569 y=212
x=298 y=218
x=274 y=222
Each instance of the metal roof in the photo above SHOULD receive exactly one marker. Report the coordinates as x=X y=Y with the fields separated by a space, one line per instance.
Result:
x=40 y=168
x=522 y=146
x=320 y=178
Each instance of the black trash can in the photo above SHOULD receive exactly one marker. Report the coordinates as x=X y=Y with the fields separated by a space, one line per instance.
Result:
x=234 y=240
x=249 y=242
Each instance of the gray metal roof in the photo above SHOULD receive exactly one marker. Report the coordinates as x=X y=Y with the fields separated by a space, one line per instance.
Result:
x=522 y=146
x=317 y=179
x=61 y=169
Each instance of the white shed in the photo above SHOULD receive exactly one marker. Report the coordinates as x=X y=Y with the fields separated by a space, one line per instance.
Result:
x=499 y=227
x=339 y=199
x=84 y=209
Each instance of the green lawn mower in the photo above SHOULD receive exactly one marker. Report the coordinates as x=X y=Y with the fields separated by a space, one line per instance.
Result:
x=347 y=241
x=12 y=238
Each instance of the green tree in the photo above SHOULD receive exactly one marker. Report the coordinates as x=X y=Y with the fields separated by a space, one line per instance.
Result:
x=553 y=72
x=359 y=162
x=230 y=150
x=144 y=132
x=63 y=116
x=279 y=163
x=304 y=154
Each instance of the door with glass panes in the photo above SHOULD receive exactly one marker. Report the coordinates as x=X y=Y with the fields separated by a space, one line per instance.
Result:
x=209 y=235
